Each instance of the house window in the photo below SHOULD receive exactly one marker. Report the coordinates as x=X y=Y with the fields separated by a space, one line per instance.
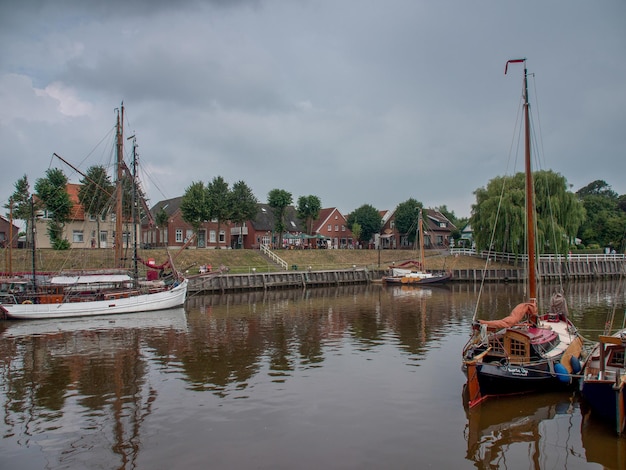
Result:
x=188 y=234
x=336 y=228
x=330 y=228
x=392 y=224
x=179 y=235
x=439 y=240
x=343 y=228
x=92 y=217
x=103 y=217
x=77 y=236
x=212 y=237
x=222 y=236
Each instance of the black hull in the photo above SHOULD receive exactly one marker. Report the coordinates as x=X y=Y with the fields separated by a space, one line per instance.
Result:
x=498 y=380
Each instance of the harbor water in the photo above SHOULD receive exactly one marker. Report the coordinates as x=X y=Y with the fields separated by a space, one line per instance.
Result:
x=351 y=377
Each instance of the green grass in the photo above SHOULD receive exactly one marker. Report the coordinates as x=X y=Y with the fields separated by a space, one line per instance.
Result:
x=238 y=261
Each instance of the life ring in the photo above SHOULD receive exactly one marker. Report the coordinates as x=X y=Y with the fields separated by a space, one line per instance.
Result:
x=26 y=302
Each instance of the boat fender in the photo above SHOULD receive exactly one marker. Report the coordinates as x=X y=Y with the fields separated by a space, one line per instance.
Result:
x=26 y=302
x=575 y=363
x=561 y=373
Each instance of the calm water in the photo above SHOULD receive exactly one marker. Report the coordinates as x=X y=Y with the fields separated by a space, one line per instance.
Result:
x=361 y=377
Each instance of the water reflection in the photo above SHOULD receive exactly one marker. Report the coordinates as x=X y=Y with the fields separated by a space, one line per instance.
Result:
x=366 y=374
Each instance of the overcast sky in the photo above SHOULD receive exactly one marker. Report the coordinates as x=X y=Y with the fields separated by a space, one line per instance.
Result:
x=355 y=101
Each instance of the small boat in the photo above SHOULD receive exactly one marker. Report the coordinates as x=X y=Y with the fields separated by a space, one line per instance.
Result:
x=416 y=274
x=527 y=351
x=97 y=293
x=604 y=380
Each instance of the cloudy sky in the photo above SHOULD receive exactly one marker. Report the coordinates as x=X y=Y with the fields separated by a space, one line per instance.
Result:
x=355 y=101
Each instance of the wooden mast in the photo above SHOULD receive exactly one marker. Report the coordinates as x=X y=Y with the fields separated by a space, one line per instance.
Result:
x=530 y=198
x=118 y=188
x=420 y=227
x=530 y=192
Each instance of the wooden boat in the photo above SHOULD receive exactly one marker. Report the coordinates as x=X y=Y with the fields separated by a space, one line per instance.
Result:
x=103 y=292
x=604 y=380
x=527 y=351
x=416 y=273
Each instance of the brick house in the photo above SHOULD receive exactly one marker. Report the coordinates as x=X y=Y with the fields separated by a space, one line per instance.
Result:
x=437 y=231
x=8 y=231
x=260 y=230
x=177 y=232
x=332 y=224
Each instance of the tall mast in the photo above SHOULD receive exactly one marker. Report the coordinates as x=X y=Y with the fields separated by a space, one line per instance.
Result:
x=118 y=187
x=135 y=212
x=530 y=192
x=530 y=198
x=420 y=227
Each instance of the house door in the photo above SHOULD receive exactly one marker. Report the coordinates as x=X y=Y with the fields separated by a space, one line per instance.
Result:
x=103 y=238
x=201 y=238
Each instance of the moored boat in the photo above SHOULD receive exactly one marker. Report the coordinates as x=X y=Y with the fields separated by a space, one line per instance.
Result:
x=529 y=350
x=97 y=293
x=604 y=380
x=414 y=273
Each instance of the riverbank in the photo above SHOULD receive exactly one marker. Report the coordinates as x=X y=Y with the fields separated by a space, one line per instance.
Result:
x=240 y=261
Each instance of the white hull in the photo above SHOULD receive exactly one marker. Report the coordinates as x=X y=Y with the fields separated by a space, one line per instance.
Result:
x=172 y=298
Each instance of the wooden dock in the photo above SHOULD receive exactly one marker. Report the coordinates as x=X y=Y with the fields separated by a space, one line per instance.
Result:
x=548 y=269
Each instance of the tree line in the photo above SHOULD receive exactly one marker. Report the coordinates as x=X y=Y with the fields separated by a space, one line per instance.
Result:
x=592 y=217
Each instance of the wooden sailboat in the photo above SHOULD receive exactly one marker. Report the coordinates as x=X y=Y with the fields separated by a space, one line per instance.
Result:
x=102 y=293
x=417 y=274
x=527 y=351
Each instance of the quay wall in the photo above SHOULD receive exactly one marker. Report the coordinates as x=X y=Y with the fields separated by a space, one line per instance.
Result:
x=220 y=283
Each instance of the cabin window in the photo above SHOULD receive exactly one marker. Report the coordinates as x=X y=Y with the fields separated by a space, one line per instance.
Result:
x=179 y=235
x=616 y=358
x=517 y=348
x=77 y=236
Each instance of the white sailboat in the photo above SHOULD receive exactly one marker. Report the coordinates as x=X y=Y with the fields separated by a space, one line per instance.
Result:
x=100 y=293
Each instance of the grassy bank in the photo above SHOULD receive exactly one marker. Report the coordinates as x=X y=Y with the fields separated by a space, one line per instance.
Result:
x=238 y=261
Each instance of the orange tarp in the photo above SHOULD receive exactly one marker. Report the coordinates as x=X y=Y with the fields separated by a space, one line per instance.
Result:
x=516 y=316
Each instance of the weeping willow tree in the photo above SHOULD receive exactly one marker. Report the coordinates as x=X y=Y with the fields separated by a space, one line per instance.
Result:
x=559 y=214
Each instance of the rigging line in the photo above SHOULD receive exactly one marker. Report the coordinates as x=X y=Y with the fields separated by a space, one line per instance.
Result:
x=516 y=133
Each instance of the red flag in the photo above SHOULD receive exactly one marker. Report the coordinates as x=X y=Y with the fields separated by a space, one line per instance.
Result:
x=513 y=61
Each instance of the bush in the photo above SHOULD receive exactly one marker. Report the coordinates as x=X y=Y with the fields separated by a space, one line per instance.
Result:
x=61 y=244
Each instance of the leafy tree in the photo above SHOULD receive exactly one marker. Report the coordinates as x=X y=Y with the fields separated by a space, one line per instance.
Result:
x=368 y=218
x=194 y=206
x=308 y=210
x=162 y=221
x=243 y=204
x=52 y=192
x=219 y=202
x=279 y=200
x=406 y=216
x=20 y=200
x=95 y=193
x=605 y=220
x=597 y=188
x=559 y=214
x=356 y=230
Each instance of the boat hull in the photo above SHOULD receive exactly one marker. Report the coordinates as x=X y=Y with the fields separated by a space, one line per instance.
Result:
x=604 y=381
x=408 y=280
x=171 y=298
